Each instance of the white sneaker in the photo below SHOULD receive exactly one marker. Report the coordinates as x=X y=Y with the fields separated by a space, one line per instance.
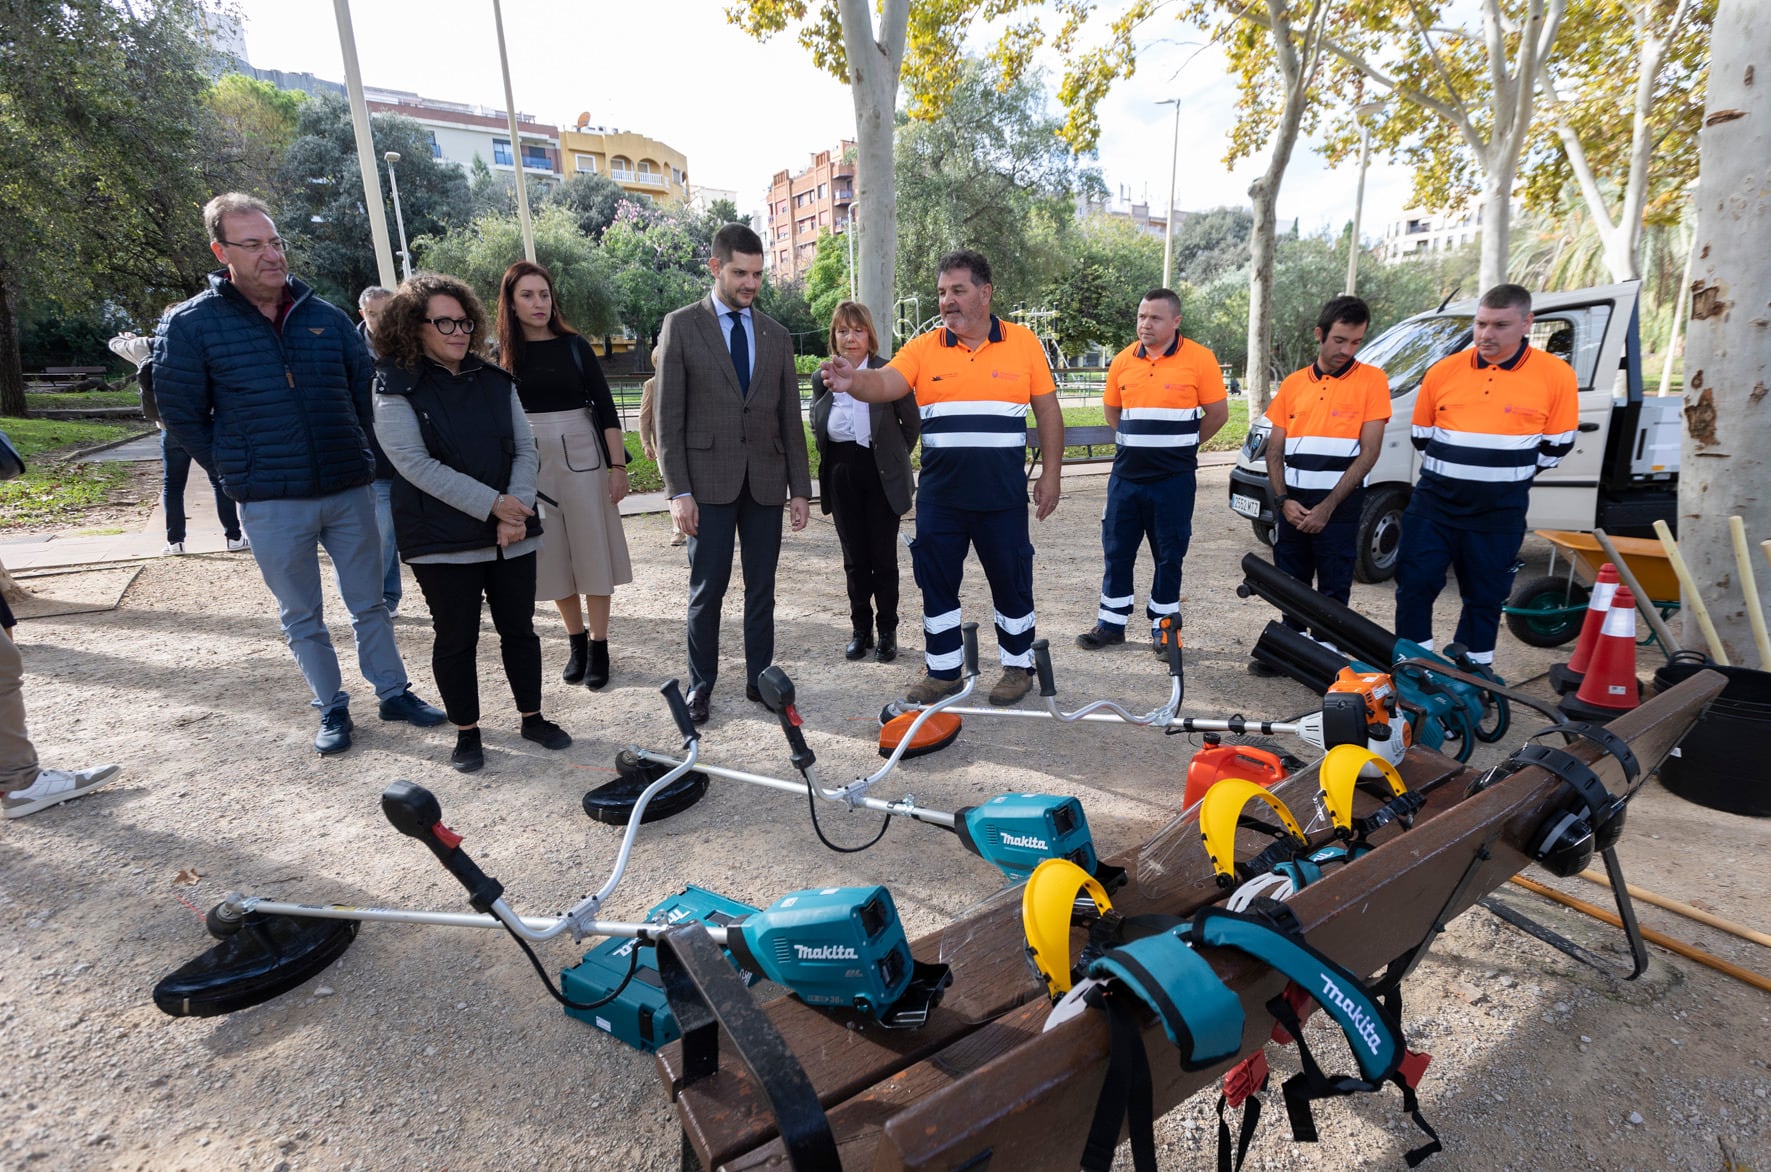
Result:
x=173 y=547
x=55 y=786
x=236 y=544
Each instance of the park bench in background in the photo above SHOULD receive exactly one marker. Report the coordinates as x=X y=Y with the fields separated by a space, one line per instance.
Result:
x=1087 y=438
x=66 y=378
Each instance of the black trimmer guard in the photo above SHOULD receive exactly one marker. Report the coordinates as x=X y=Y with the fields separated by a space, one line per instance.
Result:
x=613 y=803
x=268 y=956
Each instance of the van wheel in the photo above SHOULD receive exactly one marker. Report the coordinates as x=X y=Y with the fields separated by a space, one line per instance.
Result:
x=1379 y=542
x=1263 y=533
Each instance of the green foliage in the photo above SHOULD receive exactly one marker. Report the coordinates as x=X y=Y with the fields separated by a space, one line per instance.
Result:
x=787 y=304
x=1088 y=309
x=479 y=253
x=51 y=488
x=828 y=280
x=1210 y=243
x=319 y=204
x=805 y=364
x=990 y=173
x=659 y=264
x=1307 y=271
x=590 y=197
x=102 y=137
x=254 y=124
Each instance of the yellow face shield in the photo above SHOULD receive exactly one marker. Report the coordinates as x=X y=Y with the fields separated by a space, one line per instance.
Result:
x=1339 y=774
x=1048 y=908
x=1220 y=812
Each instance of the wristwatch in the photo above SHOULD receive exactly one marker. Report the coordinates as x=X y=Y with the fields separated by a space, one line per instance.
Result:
x=1279 y=501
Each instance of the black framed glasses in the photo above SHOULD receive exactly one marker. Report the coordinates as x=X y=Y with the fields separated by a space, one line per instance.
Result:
x=448 y=325
x=254 y=247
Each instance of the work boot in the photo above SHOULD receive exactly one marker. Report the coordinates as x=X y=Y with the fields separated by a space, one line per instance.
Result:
x=1014 y=683
x=859 y=645
x=888 y=645
x=596 y=671
x=573 y=672
x=1104 y=635
x=928 y=690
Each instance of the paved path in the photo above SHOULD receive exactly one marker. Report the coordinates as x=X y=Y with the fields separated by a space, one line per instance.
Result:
x=203 y=533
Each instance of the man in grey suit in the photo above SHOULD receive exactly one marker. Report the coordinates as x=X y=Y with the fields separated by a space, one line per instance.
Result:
x=731 y=446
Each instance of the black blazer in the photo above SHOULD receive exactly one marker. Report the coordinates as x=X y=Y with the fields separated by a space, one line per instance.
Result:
x=895 y=427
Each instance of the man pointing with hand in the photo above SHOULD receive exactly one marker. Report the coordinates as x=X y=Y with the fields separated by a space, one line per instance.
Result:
x=974 y=380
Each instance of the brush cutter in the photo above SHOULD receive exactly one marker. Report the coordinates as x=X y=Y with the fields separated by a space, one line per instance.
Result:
x=838 y=947
x=1012 y=832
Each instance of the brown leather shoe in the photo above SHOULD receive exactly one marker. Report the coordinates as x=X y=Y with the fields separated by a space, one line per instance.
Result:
x=1014 y=683
x=928 y=689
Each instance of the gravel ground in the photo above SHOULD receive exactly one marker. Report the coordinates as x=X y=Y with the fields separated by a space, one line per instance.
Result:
x=435 y=1047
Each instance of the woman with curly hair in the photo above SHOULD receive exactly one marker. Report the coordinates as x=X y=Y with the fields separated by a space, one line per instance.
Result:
x=583 y=464
x=463 y=498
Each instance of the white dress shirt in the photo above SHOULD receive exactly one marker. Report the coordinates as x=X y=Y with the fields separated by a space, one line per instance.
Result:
x=851 y=421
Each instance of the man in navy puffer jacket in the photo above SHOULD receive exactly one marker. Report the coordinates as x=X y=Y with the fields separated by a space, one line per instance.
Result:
x=268 y=385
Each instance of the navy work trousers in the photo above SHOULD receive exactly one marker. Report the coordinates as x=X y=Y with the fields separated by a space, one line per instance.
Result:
x=1157 y=511
x=1325 y=559
x=937 y=556
x=1483 y=562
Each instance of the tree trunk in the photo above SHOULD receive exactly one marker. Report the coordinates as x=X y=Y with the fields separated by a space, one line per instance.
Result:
x=1261 y=241
x=874 y=65
x=12 y=368
x=1723 y=465
x=1497 y=227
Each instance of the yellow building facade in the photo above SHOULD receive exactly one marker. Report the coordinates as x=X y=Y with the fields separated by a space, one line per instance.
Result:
x=642 y=166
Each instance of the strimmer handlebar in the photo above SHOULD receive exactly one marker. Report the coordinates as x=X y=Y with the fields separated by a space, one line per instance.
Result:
x=415 y=812
x=679 y=710
x=1042 y=667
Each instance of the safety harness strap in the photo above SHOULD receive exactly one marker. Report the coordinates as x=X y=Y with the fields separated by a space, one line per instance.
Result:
x=1603 y=737
x=1197 y=1011
x=1125 y=1096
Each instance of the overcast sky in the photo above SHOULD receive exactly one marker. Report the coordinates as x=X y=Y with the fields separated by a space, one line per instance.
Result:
x=675 y=70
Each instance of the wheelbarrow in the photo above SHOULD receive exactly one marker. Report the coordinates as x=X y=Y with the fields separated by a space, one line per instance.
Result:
x=1548 y=609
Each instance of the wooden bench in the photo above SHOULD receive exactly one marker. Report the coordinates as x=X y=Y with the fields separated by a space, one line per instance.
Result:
x=66 y=378
x=1088 y=438
x=963 y=1090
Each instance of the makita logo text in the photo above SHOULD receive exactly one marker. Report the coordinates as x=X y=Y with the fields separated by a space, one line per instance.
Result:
x=1026 y=841
x=1361 y=1022
x=825 y=952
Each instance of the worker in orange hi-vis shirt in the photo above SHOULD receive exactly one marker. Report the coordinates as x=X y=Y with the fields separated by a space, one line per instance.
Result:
x=1486 y=421
x=1327 y=429
x=976 y=379
x=1164 y=397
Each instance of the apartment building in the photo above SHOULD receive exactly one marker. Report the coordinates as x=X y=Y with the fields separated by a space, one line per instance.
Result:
x=644 y=167
x=818 y=199
x=1417 y=231
x=459 y=131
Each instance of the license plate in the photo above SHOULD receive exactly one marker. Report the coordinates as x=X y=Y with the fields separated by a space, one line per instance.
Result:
x=1246 y=505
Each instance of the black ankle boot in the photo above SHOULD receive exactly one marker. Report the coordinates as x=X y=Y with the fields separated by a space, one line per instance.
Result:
x=574 y=669
x=596 y=673
x=888 y=645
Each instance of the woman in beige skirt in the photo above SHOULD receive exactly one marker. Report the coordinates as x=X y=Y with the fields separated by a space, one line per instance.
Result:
x=583 y=465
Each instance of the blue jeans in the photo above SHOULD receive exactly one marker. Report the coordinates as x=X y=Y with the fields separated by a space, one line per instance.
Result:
x=175 y=474
x=286 y=536
x=390 y=552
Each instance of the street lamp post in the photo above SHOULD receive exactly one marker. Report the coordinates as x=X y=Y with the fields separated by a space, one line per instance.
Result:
x=393 y=182
x=1168 y=220
x=1364 y=112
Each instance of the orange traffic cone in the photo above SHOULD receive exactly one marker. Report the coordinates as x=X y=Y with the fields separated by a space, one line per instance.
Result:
x=1610 y=686
x=1567 y=677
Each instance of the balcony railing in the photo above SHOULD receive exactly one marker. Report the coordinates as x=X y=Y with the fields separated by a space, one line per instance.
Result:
x=646 y=178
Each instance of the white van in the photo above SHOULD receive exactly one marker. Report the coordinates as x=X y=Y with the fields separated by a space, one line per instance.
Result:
x=1622 y=475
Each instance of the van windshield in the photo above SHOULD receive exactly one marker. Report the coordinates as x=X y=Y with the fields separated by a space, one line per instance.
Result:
x=1405 y=350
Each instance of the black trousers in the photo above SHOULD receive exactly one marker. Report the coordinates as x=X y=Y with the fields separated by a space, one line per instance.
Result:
x=757 y=529
x=454 y=593
x=868 y=530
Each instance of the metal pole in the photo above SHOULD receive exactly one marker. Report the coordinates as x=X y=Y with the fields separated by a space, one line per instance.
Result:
x=353 y=84
x=393 y=183
x=516 y=141
x=1358 y=208
x=1168 y=221
x=1364 y=112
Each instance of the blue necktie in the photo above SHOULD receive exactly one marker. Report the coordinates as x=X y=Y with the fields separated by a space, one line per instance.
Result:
x=740 y=351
